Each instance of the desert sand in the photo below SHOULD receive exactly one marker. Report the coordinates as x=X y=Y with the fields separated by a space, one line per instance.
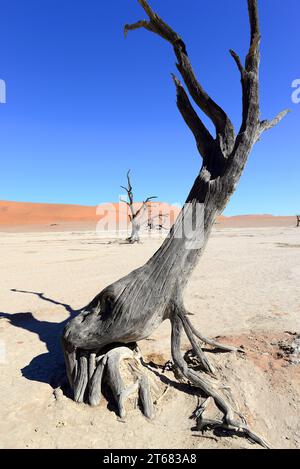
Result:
x=245 y=289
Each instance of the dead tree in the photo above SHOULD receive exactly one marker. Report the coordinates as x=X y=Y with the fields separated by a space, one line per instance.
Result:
x=135 y=215
x=298 y=220
x=151 y=223
x=129 y=310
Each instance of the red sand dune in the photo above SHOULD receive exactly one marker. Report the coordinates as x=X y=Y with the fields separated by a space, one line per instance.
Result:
x=258 y=221
x=25 y=214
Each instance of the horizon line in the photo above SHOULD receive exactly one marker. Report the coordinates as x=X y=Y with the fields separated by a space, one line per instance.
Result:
x=168 y=203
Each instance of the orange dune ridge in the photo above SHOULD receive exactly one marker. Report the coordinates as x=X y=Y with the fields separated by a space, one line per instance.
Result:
x=18 y=214
x=27 y=213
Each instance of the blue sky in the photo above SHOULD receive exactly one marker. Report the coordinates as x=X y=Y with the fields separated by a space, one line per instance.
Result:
x=84 y=104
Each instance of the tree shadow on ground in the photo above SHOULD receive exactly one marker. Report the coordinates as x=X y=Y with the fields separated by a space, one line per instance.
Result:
x=49 y=366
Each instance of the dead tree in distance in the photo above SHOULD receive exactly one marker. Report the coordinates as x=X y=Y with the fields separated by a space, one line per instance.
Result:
x=298 y=220
x=135 y=215
x=161 y=217
x=129 y=310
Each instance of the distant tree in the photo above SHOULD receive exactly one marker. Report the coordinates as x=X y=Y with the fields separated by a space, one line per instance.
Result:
x=298 y=220
x=156 y=221
x=129 y=310
x=135 y=216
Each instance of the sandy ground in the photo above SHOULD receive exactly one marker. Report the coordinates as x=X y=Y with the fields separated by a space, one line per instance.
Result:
x=246 y=289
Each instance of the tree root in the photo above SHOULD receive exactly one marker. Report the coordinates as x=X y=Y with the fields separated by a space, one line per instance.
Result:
x=196 y=347
x=122 y=371
x=213 y=343
x=178 y=322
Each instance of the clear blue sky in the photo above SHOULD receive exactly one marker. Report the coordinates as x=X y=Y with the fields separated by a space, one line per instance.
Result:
x=84 y=104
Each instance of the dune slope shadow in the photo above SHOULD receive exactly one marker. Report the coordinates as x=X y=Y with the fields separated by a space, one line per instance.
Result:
x=49 y=366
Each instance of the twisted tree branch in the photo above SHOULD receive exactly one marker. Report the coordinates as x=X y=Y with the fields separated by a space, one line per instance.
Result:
x=223 y=125
x=202 y=136
x=144 y=204
x=238 y=62
x=253 y=57
x=269 y=124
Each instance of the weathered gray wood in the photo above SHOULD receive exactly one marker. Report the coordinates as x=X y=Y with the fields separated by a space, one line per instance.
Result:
x=196 y=347
x=81 y=379
x=95 y=382
x=229 y=421
x=206 y=340
x=130 y=309
x=71 y=361
x=92 y=365
x=114 y=376
x=110 y=366
x=145 y=396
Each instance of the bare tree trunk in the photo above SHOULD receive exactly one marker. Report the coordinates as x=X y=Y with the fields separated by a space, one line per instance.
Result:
x=130 y=309
x=135 y=232
x=298 y=220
